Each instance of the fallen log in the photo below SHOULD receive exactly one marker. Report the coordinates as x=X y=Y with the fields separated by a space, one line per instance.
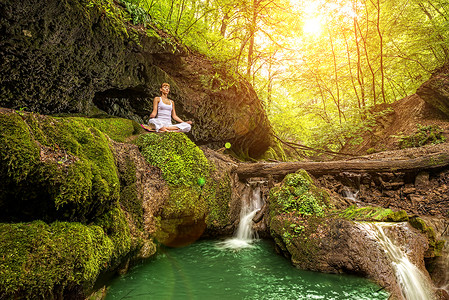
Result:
x=425 y=162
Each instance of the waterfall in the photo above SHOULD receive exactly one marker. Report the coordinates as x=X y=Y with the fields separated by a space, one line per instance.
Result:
x=350 y=195
x=414 y=285
x=245 y=235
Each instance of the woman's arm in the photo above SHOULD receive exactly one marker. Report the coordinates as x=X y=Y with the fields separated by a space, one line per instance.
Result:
x=175 y=116
x=154 y=112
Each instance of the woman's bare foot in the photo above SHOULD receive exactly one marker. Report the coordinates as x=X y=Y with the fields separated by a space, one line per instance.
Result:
x=146 y=127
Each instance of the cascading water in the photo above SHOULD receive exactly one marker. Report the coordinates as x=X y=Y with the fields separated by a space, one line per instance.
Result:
x=350 y=195
x=414 y=285
x=244 y=235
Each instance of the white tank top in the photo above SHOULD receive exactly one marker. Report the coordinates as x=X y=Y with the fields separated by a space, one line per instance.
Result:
x=164 y=111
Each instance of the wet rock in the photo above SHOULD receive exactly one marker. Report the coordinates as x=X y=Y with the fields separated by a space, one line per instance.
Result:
x=340 y=246
x=259 y=215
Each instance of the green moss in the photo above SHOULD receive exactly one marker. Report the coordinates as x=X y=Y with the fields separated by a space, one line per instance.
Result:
x=116 y=228
x=217 y=195
x=370 y=213
x=58 y=168
x=397 y=216
x=42 y=260
x=419 y=224
x=431 y=134
x=19 y=153
x=296 y=210
x=117 y=129
x=298 y=195
x=198 y=193
x=435 y=246
x=371 y=151
x=297 y=236
x=129 y=197
x=181 y=163
x=180 y=160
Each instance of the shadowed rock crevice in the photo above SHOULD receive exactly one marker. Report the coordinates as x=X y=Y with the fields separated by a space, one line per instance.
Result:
x=132 y=103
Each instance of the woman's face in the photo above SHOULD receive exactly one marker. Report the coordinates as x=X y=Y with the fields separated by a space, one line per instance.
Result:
x=165 y=89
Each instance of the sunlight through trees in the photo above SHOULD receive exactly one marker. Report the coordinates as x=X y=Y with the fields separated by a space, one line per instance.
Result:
x=319 y=66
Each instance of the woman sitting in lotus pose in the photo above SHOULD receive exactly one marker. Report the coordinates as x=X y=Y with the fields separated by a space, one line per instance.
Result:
x=164 y=109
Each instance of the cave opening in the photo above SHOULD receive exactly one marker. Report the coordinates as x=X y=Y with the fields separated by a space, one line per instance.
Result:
x=134 y=103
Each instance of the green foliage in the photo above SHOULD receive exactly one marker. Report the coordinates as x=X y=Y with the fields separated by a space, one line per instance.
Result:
x=370 y=213
x=138 y=14
x=431 y=134
x=58 y=168
x=298 y=195
x=42 y=260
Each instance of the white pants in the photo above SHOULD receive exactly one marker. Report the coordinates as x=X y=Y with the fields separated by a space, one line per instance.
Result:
x=158 y=124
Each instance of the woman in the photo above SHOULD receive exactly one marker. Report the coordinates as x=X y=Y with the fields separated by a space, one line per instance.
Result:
x=164 y=109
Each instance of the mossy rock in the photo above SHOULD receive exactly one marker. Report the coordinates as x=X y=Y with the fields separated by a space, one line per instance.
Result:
x=297 y=209
x=195 y=197
x=397 y=216
x=61 y=259
x=435 y=246
x=297 y=237
x=50 y=260
x=58 y=168
x=298 y=195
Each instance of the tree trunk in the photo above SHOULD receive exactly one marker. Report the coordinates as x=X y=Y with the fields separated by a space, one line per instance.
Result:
x=425 y=162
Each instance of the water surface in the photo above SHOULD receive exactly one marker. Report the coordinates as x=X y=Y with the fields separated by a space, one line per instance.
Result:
x=205 y=270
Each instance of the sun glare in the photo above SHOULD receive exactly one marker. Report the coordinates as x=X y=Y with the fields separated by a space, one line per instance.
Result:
x=312 y=20
x=312 y=26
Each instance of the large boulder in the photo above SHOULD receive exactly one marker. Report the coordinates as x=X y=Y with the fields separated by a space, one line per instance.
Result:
x=83 y=57
x=315 y=236
x=435 y=91
x=79 y=199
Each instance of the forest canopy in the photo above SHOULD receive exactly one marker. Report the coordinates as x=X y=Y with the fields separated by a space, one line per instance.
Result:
x=319 y=66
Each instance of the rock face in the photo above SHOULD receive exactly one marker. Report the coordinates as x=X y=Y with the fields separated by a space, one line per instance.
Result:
x=435 y=91
x=76 y=57
x=321 y=233
x=92 y=200
x=340 y=246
